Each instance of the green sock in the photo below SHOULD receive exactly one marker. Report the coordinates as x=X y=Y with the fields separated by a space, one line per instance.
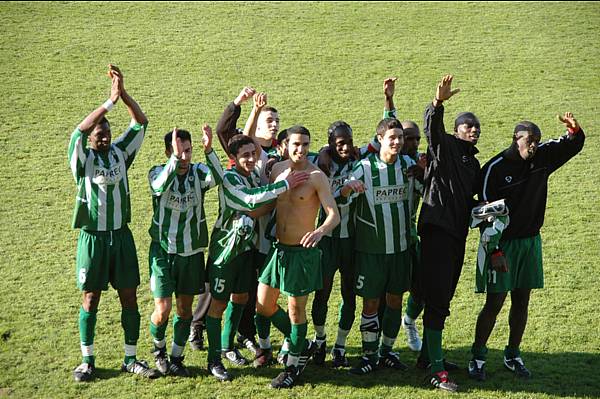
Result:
x=434 y=347
x=298 y=338
x=181 y=329
x=281 y=321
x=479 y=352
x=87 y=330
x=130 y=321
x=233 y=315
x=346 y=316
x=413 y=309
x=263 y=326
x=391 y=326
x=213 y=332
x=510 y=352
x=158 y=332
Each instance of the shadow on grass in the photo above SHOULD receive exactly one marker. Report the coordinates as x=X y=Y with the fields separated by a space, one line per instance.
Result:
x=105 y=374
x=557 y=374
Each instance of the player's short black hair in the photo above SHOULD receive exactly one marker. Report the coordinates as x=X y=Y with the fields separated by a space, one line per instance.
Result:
x=182 y=134
x=338 y=128
x=282 y=136
x=386 y=124
x=237 y=142
x=269 y=108
x=104 y=121
x=526 y=126
x=298 y=129
x=466 y=117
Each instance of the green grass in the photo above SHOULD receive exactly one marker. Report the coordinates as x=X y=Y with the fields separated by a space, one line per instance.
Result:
x=318 y=62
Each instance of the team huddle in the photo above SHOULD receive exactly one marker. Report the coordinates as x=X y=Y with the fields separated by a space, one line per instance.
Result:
x=290 y=218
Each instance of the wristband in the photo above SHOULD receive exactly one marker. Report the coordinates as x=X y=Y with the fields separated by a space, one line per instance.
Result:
x=108 y=105
x=573 y=131
x=496 y=253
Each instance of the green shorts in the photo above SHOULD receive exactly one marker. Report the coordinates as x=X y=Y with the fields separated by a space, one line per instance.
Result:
x=294 y=270
x=337 y=253
x=377 y=274
x=234 y=277
x=171 y=273
x=104 y=256
x=524 y=257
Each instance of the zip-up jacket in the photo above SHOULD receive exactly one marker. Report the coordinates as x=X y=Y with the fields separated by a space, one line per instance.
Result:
x=524 y=183
x=450 y=177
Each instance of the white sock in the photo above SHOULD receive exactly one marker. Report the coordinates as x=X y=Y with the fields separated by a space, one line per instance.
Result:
x=340 y=341
x=176 y=350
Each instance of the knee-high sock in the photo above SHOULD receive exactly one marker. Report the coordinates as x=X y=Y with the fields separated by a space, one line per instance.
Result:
x=130 y=321
x=281 y=321
x=213 y=332
x=413 y=308
x=369 y=330
x=233 y=315
x=434 y=349
x=390 y=328
x=158 y=334
x=297 y=342
x=87 y=331
x=181 y=332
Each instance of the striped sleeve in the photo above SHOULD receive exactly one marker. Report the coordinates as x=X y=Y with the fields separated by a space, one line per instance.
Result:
x=161 y=177
x=357 y=173
x=242 y=198
x=77 y=153
x=389 y=113
x=130 y=142
x=212 y=174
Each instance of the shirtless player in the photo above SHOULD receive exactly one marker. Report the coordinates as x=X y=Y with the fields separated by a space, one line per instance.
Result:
x=294 y=263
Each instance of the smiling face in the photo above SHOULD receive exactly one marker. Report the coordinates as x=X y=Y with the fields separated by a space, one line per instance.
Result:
x=298 y=147
x=342 y=145
x=100 y=137
x=245 y=159
x=391 y=141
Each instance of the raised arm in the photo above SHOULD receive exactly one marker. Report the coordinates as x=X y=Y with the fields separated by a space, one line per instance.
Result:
x=260 y=100
x=389 y=86
x=161 y=178
x=214 y=175
x=133 y=107
x=226 y=126
x=434 y=113
x=90 y=121
x=312 y=238
x=558 y=152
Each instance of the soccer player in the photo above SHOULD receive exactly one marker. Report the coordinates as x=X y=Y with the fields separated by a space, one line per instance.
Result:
x=379 y=185
x=226 y=128
x=519 y=174
x=294 y=264
x=450 y=186
x=105 y=249
x=337 y=249
x=412 y=137
x=242 y=199
x=179 y=239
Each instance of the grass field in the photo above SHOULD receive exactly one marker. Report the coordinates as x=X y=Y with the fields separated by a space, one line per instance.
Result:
x=318 y=62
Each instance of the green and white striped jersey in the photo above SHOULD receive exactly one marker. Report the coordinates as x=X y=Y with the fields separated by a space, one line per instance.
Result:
x=102 y=202
x=179 y=220
x=382 y=211
x=237 y=195
x=338 y=175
